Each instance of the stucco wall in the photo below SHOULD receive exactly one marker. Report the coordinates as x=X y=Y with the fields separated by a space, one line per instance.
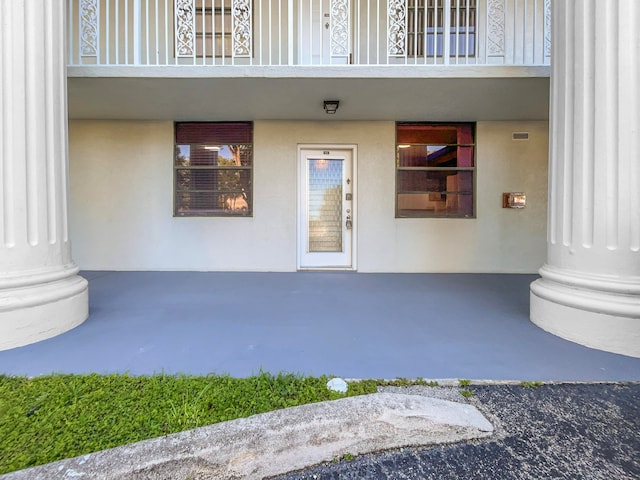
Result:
x=121 y=203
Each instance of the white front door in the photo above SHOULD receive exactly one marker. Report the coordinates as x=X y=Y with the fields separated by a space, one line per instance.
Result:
x=326 y=208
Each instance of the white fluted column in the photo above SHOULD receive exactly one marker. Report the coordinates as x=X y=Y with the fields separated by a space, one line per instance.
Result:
x=41 y=294
x=590 y=287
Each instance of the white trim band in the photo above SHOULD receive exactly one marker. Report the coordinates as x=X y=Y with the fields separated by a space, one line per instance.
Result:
x=587 y=299
x=603 y=283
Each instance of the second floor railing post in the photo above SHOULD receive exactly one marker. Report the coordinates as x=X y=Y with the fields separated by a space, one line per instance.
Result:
x=137 y=27
x=446 y=32
x=290 y=32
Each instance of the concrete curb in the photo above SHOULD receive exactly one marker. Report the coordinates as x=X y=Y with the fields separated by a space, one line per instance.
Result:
x=278 y=442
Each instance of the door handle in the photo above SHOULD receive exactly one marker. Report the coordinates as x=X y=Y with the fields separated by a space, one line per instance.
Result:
x=348 y=224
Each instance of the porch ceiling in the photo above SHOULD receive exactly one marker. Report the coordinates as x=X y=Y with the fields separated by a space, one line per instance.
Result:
x=280 y=93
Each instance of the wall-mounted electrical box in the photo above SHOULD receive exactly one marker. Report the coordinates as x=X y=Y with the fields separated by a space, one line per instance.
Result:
x=514 y=200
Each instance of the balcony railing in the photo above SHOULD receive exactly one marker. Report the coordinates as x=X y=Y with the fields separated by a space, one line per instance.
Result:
x=309 y=32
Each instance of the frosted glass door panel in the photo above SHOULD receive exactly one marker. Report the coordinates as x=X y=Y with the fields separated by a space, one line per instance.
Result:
x=325 y=205
x=326 y=202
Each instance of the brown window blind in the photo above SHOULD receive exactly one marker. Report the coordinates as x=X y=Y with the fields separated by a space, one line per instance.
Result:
x=224 y=133
x=435 y=134
x=213 y=168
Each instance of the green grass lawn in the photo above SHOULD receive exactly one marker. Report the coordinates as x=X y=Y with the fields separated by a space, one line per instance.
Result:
x=44 y=419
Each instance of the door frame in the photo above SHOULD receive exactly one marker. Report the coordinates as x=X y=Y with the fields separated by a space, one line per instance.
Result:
x=353 y=149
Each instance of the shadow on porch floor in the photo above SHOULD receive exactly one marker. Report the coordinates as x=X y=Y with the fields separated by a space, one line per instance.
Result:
x=348 y=324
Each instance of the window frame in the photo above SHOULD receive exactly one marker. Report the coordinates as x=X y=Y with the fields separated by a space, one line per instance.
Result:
x=213 y=212
x=205 y=17
x=473 y=169
x=206 y=36
x=433 y=26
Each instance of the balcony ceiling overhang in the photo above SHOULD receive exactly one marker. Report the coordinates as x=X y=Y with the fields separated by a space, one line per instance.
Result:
x=419 y=93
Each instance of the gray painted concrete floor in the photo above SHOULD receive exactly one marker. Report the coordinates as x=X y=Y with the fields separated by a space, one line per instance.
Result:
x=348 y=324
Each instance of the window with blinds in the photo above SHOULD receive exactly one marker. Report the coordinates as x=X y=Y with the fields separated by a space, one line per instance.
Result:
x=213 y=169
x=213 y=29
x=427 y=25
x=435 y=170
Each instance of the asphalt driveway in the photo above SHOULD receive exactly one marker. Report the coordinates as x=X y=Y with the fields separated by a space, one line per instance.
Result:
x=566 y=431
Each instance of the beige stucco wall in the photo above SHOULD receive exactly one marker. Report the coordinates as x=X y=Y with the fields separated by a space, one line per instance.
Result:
x=122 y=207
x=121 y=203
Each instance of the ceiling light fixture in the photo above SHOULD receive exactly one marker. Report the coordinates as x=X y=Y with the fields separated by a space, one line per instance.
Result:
x=331 y=106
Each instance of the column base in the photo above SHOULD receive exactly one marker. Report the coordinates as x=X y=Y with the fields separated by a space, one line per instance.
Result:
x=36 y=311
x=597 y=312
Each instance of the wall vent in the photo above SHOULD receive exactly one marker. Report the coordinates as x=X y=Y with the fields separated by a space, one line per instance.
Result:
x=520 y=136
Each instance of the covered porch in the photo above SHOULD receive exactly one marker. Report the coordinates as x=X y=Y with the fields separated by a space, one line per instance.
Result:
x=353 y=325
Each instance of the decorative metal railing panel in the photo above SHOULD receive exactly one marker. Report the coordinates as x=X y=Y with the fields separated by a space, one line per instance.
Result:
x=396 y=27
x=340 y=31
x=309 y=32
x=242 y=27
x=496 y=30
x=89 y=27
x=185 y=22
x=547 y=28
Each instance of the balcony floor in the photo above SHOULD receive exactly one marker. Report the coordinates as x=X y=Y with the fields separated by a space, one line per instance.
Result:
x=349 y=324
